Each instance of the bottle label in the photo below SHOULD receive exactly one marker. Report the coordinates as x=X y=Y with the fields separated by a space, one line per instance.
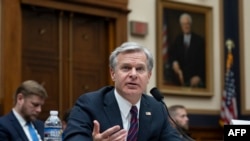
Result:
x=52 y=132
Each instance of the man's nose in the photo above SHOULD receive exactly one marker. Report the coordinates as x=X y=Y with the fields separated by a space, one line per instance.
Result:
x=39 y=108
x=133 y=73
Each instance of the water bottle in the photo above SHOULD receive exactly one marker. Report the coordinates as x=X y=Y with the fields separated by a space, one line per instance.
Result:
x=53 y=127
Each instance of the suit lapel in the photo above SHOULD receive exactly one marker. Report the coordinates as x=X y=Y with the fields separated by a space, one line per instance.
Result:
x=144 y=120
x=112 y=110
x=18 y=128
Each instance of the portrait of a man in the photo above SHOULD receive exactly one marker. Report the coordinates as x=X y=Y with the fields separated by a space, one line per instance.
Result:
x=185 y=65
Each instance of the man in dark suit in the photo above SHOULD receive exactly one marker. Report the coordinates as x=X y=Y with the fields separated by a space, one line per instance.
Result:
x=187 y=56
x=21 y=123
x=123 y=112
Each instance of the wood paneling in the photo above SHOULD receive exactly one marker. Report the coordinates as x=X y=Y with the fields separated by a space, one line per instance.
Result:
x=10 y=52
x=89 y=54
x=112 y=4
x=207 y=133
x=63 y=44
x=40 y=52
x=85 y=48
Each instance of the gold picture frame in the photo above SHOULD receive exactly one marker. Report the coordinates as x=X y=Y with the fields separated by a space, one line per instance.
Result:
x=168 y=27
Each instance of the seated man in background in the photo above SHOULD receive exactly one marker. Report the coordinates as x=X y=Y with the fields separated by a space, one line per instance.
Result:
x=21 y=123
x=181 y=121
x=122 y=112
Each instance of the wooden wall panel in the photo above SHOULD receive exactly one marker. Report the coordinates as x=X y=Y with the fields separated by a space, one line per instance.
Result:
x=90 y=53
x=207 y=133
x=47 y=41
x=46 y=74
x=10 y=52
x=108 y=4
x=40 y=52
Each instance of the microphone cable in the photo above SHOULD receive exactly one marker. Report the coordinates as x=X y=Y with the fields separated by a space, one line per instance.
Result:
x=158 y=96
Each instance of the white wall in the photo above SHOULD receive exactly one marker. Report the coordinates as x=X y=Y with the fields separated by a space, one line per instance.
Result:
x=144 y=10
x=246 y=50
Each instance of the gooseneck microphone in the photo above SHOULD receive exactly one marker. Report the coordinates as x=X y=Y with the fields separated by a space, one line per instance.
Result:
x=159 y=97
x=156 y=93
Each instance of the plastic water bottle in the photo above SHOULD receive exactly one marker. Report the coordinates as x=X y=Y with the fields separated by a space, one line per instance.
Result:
x=53 y=127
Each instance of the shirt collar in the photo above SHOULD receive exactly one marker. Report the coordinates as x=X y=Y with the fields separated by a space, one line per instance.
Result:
x=19 y=117
x=125 y=105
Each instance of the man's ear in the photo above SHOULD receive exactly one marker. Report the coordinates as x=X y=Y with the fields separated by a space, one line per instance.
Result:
x=149 y=75
x=112 y=74
x=19 y=96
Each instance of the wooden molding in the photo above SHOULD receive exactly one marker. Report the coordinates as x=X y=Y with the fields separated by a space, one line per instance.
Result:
x=80 y=6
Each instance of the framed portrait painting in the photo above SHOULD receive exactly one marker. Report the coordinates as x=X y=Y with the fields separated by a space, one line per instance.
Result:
x=184 y=49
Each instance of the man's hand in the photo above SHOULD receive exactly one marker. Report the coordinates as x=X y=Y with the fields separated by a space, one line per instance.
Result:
x=195 y=80
x=178 y=71
x=114 y=133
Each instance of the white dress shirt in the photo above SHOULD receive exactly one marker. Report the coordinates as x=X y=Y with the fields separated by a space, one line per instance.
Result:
x=24 y=125
x=125 y=107
x=187 y=39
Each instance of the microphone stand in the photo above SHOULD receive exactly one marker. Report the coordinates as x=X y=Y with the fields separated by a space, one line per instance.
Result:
x=159 y=98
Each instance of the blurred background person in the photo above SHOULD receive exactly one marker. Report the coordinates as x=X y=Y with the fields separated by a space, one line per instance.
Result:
x=21 y=123
x=180 y=116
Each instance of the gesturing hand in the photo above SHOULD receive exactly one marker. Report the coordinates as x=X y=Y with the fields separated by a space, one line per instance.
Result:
x=195 y=80
x=114 y=133
x=178 y=71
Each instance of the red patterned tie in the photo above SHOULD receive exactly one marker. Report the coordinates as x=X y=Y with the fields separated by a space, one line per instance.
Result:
x=133 y=130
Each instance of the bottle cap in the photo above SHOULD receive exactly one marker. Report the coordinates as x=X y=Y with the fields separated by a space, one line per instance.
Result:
x=53 y=112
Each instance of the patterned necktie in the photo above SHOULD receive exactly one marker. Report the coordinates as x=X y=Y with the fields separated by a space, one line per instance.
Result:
x=133 y=130
x=32 y=132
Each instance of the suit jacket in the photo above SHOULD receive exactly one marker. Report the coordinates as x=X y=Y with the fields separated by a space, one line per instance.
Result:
x=11 y=130
x=192 y=58
x=102 y=106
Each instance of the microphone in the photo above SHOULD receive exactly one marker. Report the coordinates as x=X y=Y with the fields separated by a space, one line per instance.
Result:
x=159 y=97
x=156 y=93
